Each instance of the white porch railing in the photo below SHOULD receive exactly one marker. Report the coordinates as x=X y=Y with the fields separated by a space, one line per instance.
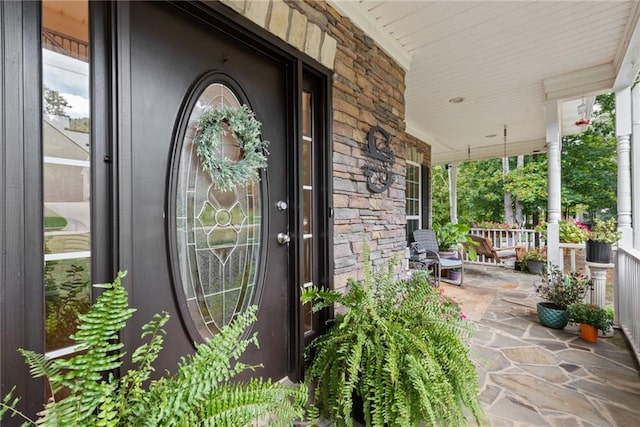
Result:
x=504 y=238
x=524 y=238
x=626 y=293
x=573 y=249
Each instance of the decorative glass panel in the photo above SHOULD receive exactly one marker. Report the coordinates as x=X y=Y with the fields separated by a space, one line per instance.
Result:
x=307 y=205
x=218 y=233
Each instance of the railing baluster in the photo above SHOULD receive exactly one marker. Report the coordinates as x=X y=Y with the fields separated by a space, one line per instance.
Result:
x=627 y=295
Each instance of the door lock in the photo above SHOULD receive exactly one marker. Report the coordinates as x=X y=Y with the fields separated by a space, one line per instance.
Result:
x=283 y=238
x=282 y=205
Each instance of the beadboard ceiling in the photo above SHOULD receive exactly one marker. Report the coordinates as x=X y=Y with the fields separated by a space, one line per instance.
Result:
x=507 y=59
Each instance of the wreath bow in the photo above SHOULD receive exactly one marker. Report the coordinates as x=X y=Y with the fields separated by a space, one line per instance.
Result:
x=227 y=173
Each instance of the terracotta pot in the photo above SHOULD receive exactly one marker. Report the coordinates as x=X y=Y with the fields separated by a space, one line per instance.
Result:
x=588 y=333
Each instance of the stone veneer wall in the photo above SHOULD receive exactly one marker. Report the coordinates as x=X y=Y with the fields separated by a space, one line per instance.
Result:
x=368 y=90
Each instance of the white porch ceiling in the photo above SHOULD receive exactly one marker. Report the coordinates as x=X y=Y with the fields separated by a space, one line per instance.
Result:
x=506 y=58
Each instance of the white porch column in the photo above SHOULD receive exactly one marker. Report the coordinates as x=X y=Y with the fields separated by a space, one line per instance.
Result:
x=453 y=192
x=635 y=170
x=552 y=114
x=623 y=134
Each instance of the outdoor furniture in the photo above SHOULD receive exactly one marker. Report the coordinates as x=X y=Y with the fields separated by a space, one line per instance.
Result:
x=485 y=248
x=425 y=252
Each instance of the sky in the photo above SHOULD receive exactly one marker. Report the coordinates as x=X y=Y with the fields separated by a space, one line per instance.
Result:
x=70 y=77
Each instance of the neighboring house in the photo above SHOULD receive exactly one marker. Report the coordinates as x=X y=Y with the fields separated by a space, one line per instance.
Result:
x=341 y=165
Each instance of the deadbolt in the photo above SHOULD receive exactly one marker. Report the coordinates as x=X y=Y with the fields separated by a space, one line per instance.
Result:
x=282 y=205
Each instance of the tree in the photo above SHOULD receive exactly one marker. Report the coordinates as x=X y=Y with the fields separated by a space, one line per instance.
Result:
x=508 y=202
x=54 y=103
x=519 y=207
x=529 y=184
x=589 y=162
x=480 y=191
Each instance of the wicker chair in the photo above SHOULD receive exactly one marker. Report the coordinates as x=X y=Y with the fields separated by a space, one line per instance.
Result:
x=425 y=253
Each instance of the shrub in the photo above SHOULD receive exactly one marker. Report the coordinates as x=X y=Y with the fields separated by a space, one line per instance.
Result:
x=560 y=289
x=569 y=231
x=399 y=346
x=605 y=231
x=590 y=314
x=199 y=393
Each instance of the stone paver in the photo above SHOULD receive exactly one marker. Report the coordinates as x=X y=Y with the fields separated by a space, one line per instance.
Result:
x=531 y=375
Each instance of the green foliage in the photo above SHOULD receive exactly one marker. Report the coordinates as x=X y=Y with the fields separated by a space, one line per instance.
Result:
x=450 y=236
x=589 y=314
x=560 y=289
x=605 y=231
x=529 y=184
x=589 y=161
x=227 y=172
x=570 y=231
x=199 y=393
x=399 y=346
x=538 y=254
x=480 y=191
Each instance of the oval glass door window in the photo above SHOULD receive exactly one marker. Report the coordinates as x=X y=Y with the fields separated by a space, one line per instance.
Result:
x=218 y=233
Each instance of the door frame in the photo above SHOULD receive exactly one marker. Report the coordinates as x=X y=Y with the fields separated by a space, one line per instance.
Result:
x=298 y=64
x=21 y=238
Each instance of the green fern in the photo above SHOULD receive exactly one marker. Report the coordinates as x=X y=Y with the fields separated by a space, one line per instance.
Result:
x=200 y=393
x=399 y=346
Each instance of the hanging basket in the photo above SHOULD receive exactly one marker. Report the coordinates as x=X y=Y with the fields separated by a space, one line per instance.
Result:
x=551 y=316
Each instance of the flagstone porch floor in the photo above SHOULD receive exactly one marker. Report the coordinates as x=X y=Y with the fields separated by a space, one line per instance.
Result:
x=531 y=375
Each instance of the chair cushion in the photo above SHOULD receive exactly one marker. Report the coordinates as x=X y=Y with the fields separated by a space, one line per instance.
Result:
x=450 y=263
x=506 y=253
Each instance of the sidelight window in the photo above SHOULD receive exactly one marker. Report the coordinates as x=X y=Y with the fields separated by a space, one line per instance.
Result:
x=66 y=147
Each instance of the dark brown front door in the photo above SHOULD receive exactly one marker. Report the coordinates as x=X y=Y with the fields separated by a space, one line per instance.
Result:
x=194 y=262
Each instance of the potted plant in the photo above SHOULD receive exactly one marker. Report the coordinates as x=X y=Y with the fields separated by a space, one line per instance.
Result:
x=535 y=260
x=569 y=231
x=591 y=318
x=451 y=236
x=559 y=291
x=601 y=236
x=397 y=352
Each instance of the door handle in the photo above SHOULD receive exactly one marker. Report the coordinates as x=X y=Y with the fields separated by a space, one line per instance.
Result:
x=283 y=238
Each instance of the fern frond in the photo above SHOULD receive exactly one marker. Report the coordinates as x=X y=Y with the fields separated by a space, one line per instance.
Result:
x=400 y=346
x=8 y=405
x=41 y=366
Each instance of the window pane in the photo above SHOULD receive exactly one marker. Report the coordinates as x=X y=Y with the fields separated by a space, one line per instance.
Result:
x=306 y=114
x=308 y=261
x=307 y=212
x=307 y=205
x=66 y=169
x=307 y=164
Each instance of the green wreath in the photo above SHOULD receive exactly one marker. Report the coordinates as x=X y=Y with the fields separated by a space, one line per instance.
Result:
x=245 y=129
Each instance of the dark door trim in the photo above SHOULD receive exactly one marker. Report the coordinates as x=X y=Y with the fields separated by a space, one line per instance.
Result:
x=21 y=237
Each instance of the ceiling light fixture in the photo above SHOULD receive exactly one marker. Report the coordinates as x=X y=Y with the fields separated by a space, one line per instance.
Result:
x=456 y=100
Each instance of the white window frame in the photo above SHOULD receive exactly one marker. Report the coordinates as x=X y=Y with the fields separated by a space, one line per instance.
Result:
x=418 y=216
